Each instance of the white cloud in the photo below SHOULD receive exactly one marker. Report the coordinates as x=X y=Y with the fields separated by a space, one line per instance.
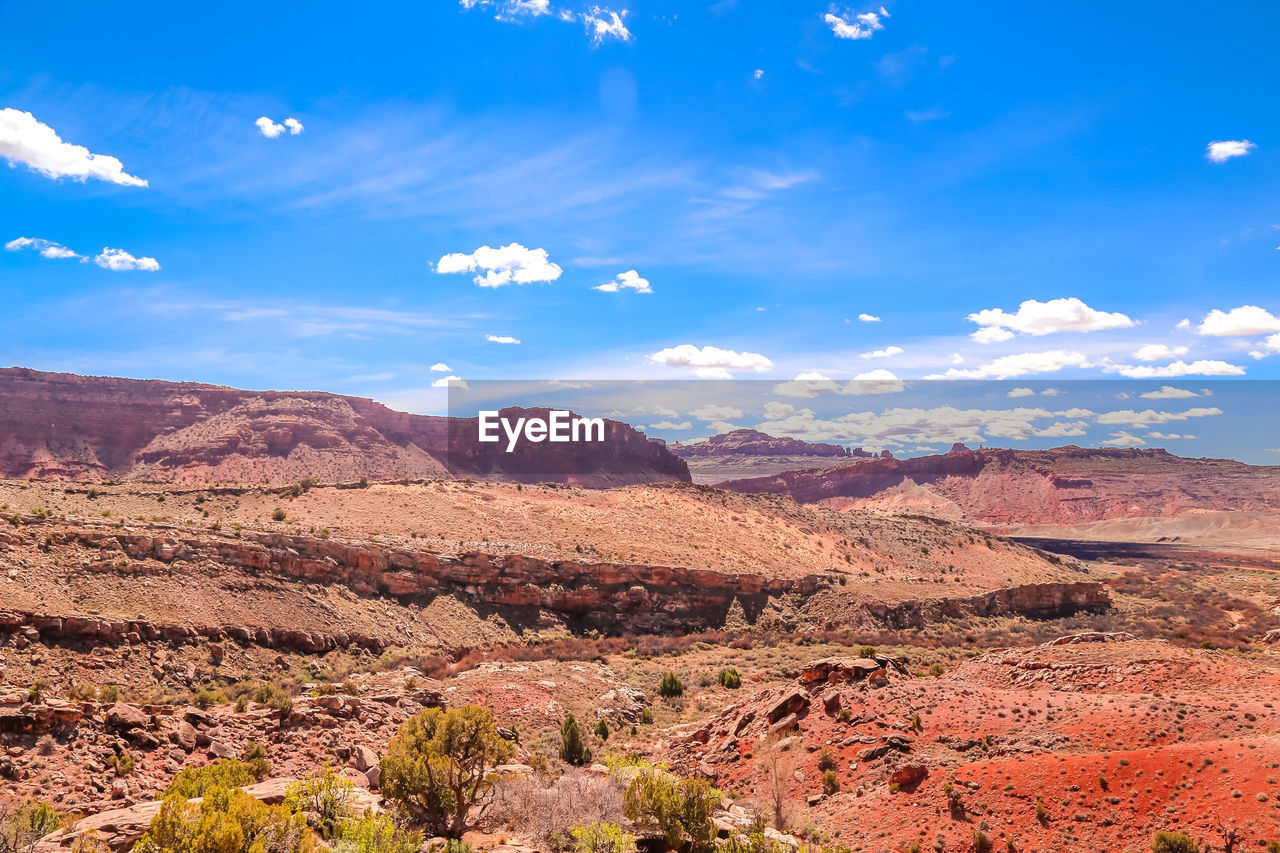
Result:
x=1063 y=429
x=878 y=381
x=717 y=412
x=511 y=264
x=118 y=260
x=604 y=24
x=887 y=352
x=774 y=410
x=268 y=128
x=46 y=248
x=1200 y=367
x=809 y=385
x=502 y=339
x=1123 y=439
x=1043 y=318
x=1051 y=392
x=1168 y=392
x=1147 y=417
x=629 y=280
x=1224 y=150
x=1158 y=352
x=710 y=362
x=1021 y=392
x=449 y=381
x=1021 y=364
x=855 y=27
x=758 y=73
x=37 y=146
x=440 y=367
x=670 y=425
x=295 y=126
x=909 y=426
x=1238 y=322
x=1184 y=323
x=1169 y=436
x=868 y=318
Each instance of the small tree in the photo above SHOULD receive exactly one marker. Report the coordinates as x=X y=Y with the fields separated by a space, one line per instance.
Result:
x=680 y=809
x=730 y=678
x=572 y=749
x=671 y=686
x=602 y=730
x=22 y=826
x=324 y=794
x=602 y=838
x=437 y=765
x=376 y=833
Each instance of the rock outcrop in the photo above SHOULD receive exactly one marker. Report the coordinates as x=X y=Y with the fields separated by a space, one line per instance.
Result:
x=63 y=426
x=751 y=442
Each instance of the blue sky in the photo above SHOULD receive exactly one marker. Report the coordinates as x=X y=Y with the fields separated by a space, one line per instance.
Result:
x=1038 y=174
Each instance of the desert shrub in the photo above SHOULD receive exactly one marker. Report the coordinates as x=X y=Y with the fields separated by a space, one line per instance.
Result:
x=227 y=820
x=375 y=833
x=255 y=758
x=602 y=729
x=936 y=669
x=192 y=782
x=21 y=826
x=1174 y=842
x=110 y=693
x=35 y=692
x=671 y=686
x=826 y=760
x=981 y=843
x=548 y=809
x=646 y=716
x=602 y=838
x=866 y=651
x=278 y=514
x=572 y=749
x=123 y=764
x=830 y=781
x=679 y=809
x=324 y=794
x=82 y=693
x=206 y=698
x=730 y=678
x=349 y=687
x=754 y=842
x=437 y=765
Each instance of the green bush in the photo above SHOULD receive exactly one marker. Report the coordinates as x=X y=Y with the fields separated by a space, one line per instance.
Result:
x=227 y=820
x=123 y=764
x=730 y=678
x=572 y=749
x=670 y=686
x=602 y=729
x=1174 y=842
x=278 y=514
x=646 y=716
x=679 y=809
x=437 y=765
x=255 y=758
x=192 y=782
x=22 y=826
x=981 y=843
x=866 y=651
x=376 y=833
x=602 y=838
x=324 y=794
x=830 y=782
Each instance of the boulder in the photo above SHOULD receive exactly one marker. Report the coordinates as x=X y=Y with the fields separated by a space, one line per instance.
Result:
x=122 y=717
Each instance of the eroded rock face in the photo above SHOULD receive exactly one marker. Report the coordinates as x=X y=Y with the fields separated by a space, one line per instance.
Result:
x=751 y=442
x=62 y=426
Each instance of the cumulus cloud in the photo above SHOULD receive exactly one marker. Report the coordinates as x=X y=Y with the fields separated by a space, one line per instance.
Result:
x=449 y=381
x=1043 y=318
x=1239 y=322
x=37 y=146
x=912 y=426
x=1021 y=364
x=502 y=339
x=46 y=248
x=1168 y=392
x=855 y=27
x=868 y=318
x=1021 y=392
x=717 y=412
x=810 y=385
x=887 y=352
x=1158 y=352
x=1200 y=367
x=440 y=367
x=118 y=260
x=1169 y=436
x=711 y=362
x=1148 y=417
x=1123 y=439
x=604 y=24
x=670 y=425
x=1224 y=150
x=511 y=264
x=629 y=280
x=271 y=130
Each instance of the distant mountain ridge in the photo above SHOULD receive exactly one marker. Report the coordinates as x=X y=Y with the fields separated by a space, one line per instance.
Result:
x=751 y=442
x=70 y=427
x=1064 y=485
